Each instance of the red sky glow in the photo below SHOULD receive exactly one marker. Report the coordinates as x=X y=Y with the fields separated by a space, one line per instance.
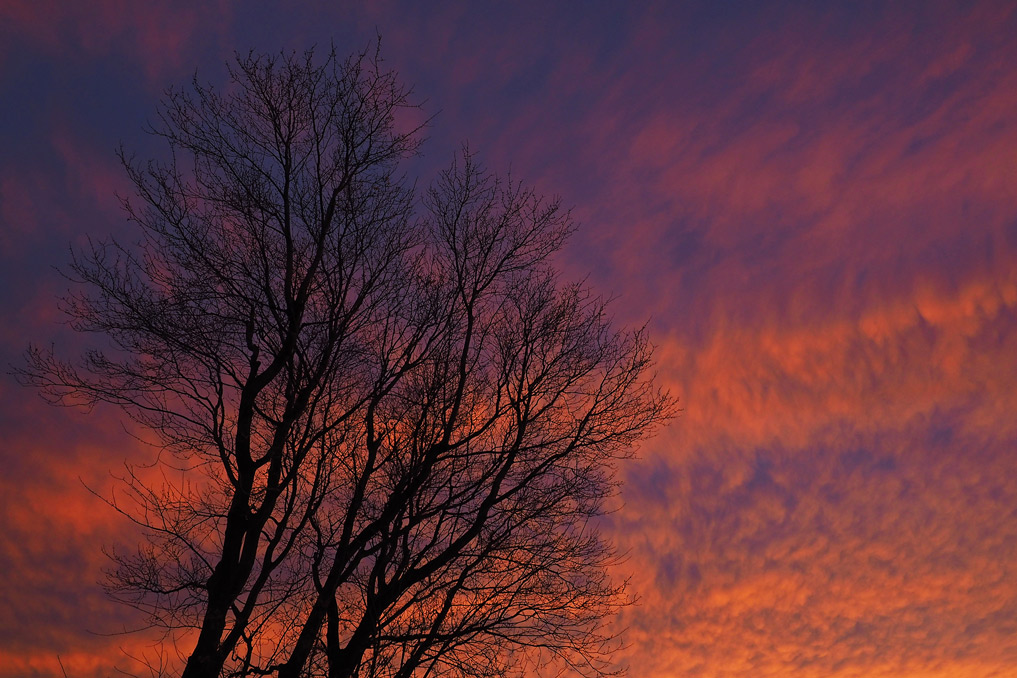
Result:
x=814 y=205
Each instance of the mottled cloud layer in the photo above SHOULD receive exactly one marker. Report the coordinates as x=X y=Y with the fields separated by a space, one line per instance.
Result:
x=839 y=498
x=815 y=204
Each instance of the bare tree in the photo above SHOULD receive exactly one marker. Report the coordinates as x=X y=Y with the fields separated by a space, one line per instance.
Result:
x=396 y=421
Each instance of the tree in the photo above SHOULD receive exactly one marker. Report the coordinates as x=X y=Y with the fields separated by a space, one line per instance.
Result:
x=396 y=420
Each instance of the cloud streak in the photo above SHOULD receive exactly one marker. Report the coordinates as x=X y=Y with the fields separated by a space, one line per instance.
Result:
x=816 y=207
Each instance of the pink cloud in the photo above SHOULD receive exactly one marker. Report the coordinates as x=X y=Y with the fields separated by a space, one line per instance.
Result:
x=825 y=241
x=160 y=36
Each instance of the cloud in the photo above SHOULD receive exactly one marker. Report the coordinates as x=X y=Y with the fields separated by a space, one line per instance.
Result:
x=834 y=295
x=160 y=37
x=54 y=528
x=880 y=554
x=816 y=207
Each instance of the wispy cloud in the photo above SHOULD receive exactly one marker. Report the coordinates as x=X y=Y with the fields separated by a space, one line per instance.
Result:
x=816 y=206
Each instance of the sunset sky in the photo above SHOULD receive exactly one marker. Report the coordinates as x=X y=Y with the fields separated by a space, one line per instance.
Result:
x=813 y=205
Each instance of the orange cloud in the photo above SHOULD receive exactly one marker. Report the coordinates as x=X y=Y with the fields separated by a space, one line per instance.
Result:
x=817 y=208
x=841 y=324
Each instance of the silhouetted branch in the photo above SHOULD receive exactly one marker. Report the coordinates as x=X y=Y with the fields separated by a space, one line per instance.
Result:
x=392 y=421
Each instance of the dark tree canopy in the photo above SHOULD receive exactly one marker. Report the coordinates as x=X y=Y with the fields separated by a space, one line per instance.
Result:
x=397 y=420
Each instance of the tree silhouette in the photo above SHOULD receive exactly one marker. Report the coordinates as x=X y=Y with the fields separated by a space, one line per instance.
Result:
x=396 y=420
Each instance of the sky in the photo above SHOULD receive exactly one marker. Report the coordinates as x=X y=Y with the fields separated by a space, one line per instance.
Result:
x=813 y=205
